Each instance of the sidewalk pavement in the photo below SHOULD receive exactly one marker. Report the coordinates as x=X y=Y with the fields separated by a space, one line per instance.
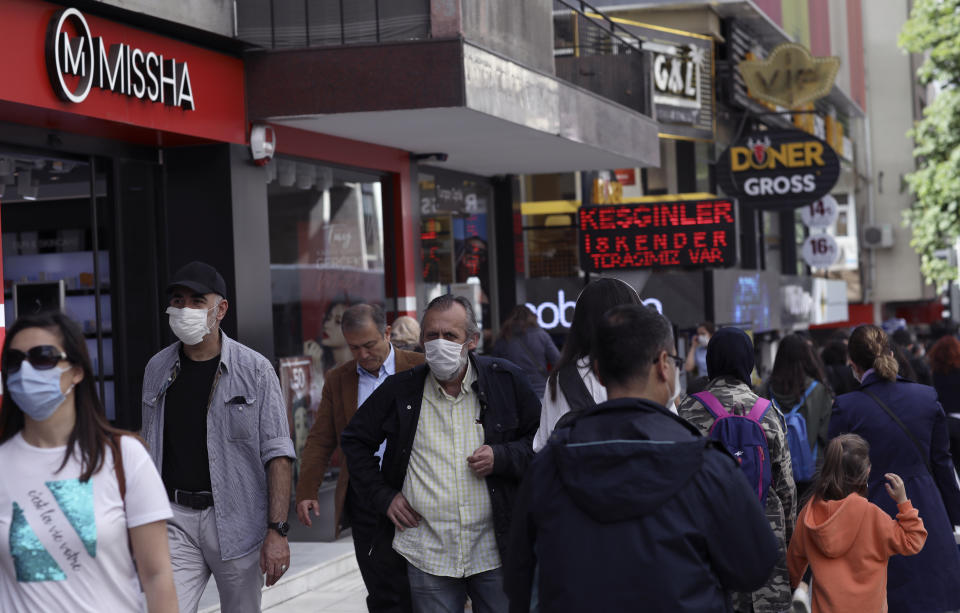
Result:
x=322 y=576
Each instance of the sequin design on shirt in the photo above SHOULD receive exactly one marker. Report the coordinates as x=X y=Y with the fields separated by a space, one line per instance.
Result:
x=76 y=501
x=30 y=558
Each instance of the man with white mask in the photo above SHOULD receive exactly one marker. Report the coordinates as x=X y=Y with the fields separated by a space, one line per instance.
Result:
x=459 y=434
x=216 y=426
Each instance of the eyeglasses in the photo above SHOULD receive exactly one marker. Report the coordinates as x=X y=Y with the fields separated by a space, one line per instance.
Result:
x=41 y=357
x=677 y=360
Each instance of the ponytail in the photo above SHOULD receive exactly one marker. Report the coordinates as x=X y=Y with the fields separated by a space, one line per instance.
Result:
x=870 y=348
x=845 y=469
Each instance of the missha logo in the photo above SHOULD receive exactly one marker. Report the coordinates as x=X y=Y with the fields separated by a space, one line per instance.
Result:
x=117 y=67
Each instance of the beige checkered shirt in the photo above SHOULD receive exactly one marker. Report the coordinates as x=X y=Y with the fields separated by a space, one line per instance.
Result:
x=455 y=537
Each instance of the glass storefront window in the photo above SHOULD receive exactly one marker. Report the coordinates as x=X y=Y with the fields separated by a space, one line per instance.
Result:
x=48 y=255
x=326 y=253
x=551 y=243
x=455 y=237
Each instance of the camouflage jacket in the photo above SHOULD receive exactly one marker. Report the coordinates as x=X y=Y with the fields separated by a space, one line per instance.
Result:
x=775 y=596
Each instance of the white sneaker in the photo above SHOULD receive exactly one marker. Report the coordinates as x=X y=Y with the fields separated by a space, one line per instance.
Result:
x=801 y=600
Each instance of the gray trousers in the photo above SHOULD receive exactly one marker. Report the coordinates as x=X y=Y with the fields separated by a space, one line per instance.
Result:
x=195 y=554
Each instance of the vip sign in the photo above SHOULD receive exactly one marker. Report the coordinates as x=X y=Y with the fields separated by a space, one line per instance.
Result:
x=790 y=77
x=117 y=67
x=778 y=169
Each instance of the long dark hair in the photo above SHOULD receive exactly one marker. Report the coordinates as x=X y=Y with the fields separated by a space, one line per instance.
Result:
x=519 y=321
x=92 y=432
x=596 y=299
x=845 y=470
x=794 y=362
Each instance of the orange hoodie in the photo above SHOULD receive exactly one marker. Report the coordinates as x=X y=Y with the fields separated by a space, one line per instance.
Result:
x=847 y=544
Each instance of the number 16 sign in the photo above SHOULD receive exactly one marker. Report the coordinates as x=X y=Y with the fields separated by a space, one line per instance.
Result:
x=820 y=251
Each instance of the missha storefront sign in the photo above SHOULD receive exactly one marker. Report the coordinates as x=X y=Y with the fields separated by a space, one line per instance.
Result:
x=78 y=61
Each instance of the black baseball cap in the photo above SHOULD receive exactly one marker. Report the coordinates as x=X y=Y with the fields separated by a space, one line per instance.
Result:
x=200 y=277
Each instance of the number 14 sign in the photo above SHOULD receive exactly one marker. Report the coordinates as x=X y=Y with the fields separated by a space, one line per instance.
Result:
x=820 y=214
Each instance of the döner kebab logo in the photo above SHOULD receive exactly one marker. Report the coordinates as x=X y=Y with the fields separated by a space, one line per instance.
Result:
x=778 y=169
x=118 y=67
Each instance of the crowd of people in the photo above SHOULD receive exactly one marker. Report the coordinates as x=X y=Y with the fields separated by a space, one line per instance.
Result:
x=527 y=479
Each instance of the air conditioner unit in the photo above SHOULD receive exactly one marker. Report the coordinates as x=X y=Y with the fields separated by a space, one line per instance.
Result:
x=879 y=236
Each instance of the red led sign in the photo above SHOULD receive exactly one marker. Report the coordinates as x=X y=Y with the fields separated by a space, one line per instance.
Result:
x=658 y=234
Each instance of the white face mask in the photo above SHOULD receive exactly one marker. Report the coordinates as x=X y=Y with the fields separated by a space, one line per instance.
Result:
x=676 y=387
x=703 y=339
x=190 y=325
x=445 y=358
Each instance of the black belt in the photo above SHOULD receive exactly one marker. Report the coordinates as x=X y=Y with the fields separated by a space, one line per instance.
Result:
x=194 y=500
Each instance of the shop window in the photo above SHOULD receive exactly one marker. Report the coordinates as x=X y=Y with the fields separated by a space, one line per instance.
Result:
x=315 y=23
x=455 y=238
x=48 y=251
x=551 y=243
x=326 y=253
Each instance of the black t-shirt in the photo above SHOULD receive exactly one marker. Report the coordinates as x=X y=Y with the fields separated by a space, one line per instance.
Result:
x=186 y=465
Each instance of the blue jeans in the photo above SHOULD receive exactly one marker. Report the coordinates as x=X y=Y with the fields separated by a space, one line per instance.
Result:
x=433 y=594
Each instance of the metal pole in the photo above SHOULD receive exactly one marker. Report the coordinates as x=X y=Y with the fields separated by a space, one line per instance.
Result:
x=94 y=231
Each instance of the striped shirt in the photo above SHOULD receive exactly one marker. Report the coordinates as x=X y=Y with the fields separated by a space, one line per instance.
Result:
x=246 y=428
x=455 y=538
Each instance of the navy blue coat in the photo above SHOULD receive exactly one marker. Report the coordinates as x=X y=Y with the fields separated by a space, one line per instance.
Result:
x=628 y=508
x=929 y=581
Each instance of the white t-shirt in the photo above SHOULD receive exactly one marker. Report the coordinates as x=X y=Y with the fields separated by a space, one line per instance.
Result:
x=553 y=409
x=64 y=544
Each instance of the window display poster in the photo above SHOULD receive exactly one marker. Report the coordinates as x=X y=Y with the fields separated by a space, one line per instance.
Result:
x=295 y=387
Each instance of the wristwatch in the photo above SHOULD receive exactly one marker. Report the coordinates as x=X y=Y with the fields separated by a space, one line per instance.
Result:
x=281 y=527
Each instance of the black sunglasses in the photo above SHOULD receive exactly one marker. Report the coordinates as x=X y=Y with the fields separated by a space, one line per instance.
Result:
x=41 y=357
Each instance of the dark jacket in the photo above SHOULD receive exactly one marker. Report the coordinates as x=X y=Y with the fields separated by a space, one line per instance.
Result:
x=509 y=411
x=532 y=350
x=927 y=581
x=948 y=391
x=628 y=508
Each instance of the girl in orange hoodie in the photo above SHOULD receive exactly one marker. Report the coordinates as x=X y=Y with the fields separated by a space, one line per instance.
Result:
x=847 y=539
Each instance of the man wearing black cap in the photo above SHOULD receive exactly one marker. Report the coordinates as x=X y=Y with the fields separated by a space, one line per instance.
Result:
x=216 y=427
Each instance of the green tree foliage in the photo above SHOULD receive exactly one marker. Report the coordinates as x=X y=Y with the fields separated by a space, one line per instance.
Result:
x=933 y=29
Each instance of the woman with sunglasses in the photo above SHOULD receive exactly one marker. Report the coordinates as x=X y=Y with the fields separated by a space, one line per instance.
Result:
x=72 y=521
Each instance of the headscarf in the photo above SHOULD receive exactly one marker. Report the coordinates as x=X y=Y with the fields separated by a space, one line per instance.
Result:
x=730 y=354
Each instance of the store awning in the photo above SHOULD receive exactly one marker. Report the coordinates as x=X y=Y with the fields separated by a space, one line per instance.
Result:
x=488 y=114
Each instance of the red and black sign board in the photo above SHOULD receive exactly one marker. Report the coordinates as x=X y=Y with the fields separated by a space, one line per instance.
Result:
x=658 y=235
x=778 y=169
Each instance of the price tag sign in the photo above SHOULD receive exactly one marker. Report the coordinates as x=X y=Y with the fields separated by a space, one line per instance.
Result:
x=820 y=214
x=820 y=251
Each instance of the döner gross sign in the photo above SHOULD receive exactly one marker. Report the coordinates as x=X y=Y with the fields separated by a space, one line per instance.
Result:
x=658 y=235
x=118 y=67
x=778 y=169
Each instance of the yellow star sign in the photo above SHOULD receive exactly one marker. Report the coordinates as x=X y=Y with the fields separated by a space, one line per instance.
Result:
x=790 y=76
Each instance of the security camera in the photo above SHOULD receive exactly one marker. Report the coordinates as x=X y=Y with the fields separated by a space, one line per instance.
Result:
x=263 y=143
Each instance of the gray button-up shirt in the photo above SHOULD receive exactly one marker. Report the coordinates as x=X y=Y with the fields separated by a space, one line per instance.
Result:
x=246 y=428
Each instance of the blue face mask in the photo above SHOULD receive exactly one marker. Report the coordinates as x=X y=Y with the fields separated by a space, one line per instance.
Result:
x=37 y=392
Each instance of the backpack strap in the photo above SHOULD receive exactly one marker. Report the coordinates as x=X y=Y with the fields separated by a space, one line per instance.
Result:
x=713 y=405
x=803 y=398
x=759 y=409
x=574 y=389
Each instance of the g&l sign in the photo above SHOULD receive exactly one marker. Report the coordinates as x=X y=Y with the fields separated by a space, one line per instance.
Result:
x=77 y=63
x=658 y=235
x=778 y=169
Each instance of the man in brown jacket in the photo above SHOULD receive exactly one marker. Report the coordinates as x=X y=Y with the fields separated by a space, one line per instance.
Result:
x=365 y=329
